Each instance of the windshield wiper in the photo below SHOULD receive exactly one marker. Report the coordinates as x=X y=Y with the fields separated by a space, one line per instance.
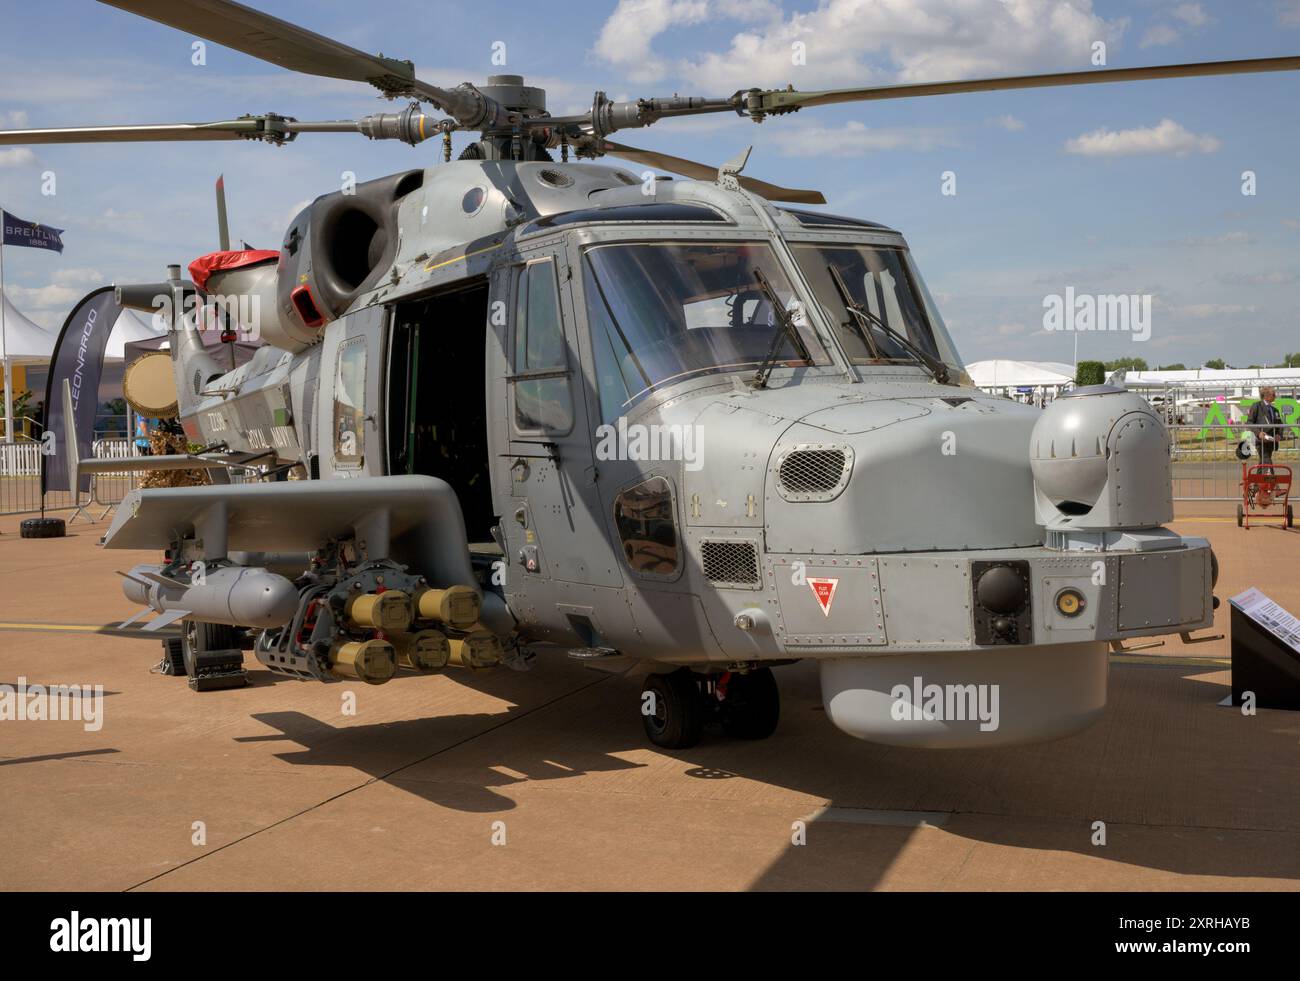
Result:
x=937 y=368
x=851 y=305
x=788 y=330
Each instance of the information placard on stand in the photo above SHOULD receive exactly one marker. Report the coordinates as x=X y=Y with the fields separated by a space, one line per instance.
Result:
x=1265 y=652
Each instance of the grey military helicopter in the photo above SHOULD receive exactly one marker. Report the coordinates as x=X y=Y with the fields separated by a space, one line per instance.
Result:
x=536 y=405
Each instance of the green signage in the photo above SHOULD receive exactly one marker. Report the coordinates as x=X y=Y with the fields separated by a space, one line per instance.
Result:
x=1216 y=417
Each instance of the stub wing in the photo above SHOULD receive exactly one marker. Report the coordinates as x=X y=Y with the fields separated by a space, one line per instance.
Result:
x=413 y=519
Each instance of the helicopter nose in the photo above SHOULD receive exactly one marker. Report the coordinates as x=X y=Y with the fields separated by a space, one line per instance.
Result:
x=908 y=477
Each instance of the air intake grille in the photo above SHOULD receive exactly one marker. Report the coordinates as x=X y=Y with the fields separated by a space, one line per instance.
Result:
x=556 y=178
x=730 y=562
x=813 y=473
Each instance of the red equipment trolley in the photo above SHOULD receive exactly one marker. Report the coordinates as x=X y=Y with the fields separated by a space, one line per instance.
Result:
x=1265 y=493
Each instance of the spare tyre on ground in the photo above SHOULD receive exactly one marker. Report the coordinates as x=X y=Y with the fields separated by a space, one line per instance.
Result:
x=43 y=528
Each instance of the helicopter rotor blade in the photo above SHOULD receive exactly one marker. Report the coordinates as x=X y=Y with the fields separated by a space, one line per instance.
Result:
x=702 y=171
x=767 y=102
x=279 y=42
x=272 y=39
x=234 y=129
x=410 y=126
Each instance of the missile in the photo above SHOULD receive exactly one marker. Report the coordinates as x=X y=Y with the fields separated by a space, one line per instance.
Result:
x=425 y=651
x=236 y=595
x=371 y=661
x=389 y=611
x=477 y=650
x=456 y=606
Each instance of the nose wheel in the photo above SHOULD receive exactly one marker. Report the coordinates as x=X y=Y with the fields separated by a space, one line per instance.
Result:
x=672 y=709
x=675 y=707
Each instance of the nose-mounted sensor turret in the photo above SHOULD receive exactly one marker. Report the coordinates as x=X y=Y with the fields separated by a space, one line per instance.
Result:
x=1100 y=457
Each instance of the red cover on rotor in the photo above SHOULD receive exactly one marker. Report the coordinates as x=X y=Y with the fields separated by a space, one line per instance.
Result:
x=215 y=262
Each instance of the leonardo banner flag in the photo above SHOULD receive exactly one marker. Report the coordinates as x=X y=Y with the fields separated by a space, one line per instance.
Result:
x=30 y=234
x=78 y=358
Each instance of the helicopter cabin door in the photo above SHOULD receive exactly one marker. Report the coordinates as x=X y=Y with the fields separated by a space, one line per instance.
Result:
x=350 y=441
x=553 y=526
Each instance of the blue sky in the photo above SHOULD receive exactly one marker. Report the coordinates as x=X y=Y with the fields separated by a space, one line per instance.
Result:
x=1132 y=188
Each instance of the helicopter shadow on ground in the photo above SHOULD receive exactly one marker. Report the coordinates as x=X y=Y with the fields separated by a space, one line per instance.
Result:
x=388 y=751
x=1183 y=785
x=72 y=754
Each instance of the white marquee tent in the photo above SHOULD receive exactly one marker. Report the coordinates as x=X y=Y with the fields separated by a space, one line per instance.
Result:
x=1004 y=374
x=130 y=328
x=23 y=342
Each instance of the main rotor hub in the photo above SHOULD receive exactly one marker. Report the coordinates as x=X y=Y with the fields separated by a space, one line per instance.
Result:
x=510 y=92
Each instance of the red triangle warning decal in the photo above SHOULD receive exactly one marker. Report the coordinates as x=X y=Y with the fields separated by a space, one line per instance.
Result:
x=824 y=590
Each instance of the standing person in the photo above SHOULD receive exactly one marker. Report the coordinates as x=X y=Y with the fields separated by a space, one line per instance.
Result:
x=1265 y=415
x=143 y=429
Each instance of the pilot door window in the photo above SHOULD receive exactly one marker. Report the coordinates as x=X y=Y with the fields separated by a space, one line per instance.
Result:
x=543 y=401
x=350 y=404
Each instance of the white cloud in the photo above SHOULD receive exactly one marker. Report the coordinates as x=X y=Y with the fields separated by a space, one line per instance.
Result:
x=15 y=118
x=45 y=298
x=1202 y=311
x=1166 y=137
x=1158 y=35
x=1008 y=122
x=625 y=40
x=19 y=156
x=1288 y=12
x=1227 y=238
x=1191 y=14
x=854 y=139
x=78 y=277
x=1278 y=278
x=858 y=42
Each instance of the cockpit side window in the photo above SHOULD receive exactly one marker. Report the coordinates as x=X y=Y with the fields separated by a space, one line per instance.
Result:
x=350 y=404
x=543 y=401
x=647 y=526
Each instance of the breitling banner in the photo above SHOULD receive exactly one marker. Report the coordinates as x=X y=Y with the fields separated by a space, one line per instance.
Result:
x=79 y=359
x=30 y=234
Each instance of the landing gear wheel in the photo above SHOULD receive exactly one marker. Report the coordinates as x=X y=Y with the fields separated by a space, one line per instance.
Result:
x=674 y=714
x=1240 y=514
x=42 y=528
x=212 y=655
x=1288 y=517
x=752 y=707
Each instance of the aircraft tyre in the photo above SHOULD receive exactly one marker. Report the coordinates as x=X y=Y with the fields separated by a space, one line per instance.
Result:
x=753 y=705
x=674 y=716
x=42 y=528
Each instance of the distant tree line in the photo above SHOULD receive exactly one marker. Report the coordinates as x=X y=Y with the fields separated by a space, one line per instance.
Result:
x=1095 y=372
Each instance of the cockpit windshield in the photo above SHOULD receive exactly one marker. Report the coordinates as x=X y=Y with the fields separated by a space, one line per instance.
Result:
x=663 y=312
x=884 y=285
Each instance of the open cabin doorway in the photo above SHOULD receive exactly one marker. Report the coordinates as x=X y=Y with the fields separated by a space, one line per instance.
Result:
x=437 y=397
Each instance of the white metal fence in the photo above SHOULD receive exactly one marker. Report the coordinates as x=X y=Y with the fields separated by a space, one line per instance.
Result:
x=20 y=478
x=1206 y=465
